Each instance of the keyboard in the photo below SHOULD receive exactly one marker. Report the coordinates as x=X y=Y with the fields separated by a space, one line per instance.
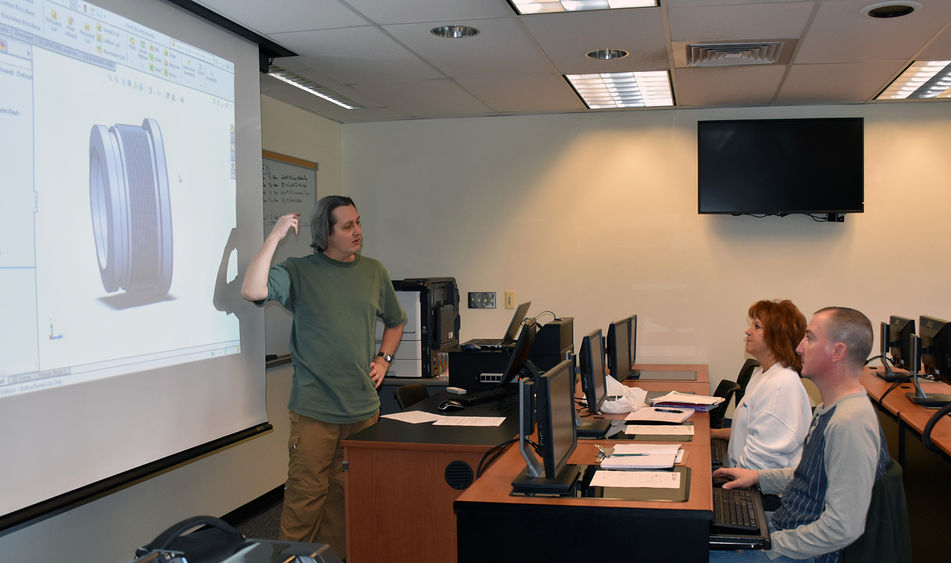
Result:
x=718 y=452
x=734 y=509
x=476 y=397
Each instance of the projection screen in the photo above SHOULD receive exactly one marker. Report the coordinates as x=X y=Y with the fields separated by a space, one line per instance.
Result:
x=131 y=169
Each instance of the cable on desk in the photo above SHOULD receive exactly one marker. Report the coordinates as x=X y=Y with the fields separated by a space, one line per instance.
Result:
x=903 y=379
x=926 y=433
x=495 y=451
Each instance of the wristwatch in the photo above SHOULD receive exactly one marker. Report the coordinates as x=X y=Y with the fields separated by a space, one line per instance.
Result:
x=385 y=356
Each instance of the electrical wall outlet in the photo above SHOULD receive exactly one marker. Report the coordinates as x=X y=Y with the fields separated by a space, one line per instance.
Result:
x=509 y=299
x=482 y=300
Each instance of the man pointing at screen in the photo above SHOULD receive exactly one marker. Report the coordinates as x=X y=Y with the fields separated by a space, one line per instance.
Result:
x=335 y=296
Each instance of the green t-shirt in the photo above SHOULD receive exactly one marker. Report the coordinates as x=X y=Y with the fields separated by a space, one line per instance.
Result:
x=335 y=307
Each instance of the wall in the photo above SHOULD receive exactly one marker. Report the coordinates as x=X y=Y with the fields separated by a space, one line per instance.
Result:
x=109 y=529
x=595 y=216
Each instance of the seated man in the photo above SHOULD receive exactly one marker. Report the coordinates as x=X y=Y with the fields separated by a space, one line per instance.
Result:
x=826 y=497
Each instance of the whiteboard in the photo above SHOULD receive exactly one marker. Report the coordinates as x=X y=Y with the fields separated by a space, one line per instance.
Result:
x=289 y=185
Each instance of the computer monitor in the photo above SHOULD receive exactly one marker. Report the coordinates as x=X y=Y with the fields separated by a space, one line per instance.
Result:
x=593 y=379
x=934 y=347
x=517 y=319
x=632 y=329
x=518 y=363
x=900 y=331
x=594 y=384
x=619 y=349
x=555 y=421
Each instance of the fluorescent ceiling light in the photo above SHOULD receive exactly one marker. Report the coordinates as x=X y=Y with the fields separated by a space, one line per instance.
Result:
x=524 y=7
x=312 y=87
x=921 y=80
x=623 y=89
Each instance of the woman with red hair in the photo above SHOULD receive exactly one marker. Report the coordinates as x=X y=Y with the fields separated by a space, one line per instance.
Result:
x=771 y=421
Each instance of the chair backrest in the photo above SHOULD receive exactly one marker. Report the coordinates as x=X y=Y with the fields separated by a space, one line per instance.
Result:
x=410 y=394
x=887 y=538
x=726 y=389
x=743 y=378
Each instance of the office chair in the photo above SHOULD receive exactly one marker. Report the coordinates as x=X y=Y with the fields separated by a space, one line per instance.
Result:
x=410 y=394
x=743 y=378
x=726 y=389
x=887 y=537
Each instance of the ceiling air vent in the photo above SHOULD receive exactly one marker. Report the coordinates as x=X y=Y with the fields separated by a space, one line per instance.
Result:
x=732 y=54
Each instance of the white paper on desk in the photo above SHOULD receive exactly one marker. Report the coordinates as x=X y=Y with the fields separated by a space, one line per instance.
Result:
x=688 y=399
x=639 y=448
x=648 y=479
x=413 y=417
x=654 y=414
x=659 y=429
x=645 y=456
x=639 y=461
x=469 y=421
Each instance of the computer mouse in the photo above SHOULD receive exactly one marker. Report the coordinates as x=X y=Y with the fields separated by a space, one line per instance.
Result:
x=450 y=405
x=471 y=347
x=718 y=481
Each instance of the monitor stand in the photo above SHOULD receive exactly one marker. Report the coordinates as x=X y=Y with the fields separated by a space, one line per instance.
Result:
x=562 y=485
x=888 y=375
x=595 y=428
x=919 y=397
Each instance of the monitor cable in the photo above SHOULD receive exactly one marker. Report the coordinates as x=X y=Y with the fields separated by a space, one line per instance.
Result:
x=493 y=453
x=926 y=433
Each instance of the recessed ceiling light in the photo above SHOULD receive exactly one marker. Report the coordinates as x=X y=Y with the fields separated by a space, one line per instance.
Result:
x=312 y=87
x=613 y=90
x=525 y=7
x=893 y=9
x=454 y=31
x=923 y=80
x=606 y=54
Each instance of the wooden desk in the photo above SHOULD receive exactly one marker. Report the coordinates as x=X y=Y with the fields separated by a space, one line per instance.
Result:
x=927 y=475
x=398 y=492
x=494 y=526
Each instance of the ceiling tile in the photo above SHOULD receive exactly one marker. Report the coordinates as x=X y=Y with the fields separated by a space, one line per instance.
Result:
x=567 y=37
x=739 y=21
x=529 y=94
x=502 y=47
x=842 y=82
x=428 y=98
x=842 y=34
x=727 y=86
x=360 y=54
x=408 y=11
x=276 y=16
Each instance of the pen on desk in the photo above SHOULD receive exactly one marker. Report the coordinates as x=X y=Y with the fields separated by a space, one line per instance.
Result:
x=658 y=409
x=627 y=455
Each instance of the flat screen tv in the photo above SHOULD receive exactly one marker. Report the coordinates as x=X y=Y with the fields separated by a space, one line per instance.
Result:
x=781 y=166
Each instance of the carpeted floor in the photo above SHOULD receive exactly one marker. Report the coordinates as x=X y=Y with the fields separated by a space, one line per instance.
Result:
x=263 y=525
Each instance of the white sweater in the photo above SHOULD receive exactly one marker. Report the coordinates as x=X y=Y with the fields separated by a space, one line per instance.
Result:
x=771 y=421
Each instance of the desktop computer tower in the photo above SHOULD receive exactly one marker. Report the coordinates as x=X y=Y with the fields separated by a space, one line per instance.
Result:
x=553 y=343
x=476 y=370
x=431 y=329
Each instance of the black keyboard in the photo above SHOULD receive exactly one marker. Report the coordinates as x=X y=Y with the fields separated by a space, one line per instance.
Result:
x=718 y=452
x=734 y=509
x=476 y=397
